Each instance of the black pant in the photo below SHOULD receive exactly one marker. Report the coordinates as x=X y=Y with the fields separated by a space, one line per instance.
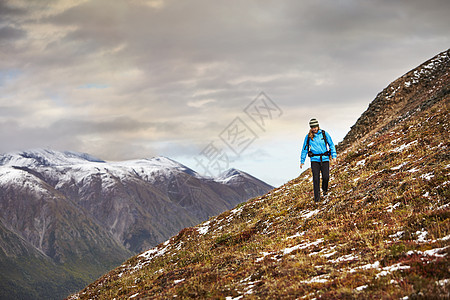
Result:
x=318 y=168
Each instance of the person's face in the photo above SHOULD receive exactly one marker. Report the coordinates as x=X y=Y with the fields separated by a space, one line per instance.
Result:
x=315 y=129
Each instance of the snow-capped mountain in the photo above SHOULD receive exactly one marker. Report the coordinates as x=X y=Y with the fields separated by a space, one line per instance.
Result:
x=72 y=207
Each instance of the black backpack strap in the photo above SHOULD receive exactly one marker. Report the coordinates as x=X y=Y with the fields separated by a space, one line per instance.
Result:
x=328 y=153
x=325 y=139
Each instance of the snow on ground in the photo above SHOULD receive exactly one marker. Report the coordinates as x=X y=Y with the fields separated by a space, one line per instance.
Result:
x=404 y=147
x=396 y=236
x=306 y=214
x=348 y=257
x=318 y=279
x=427 y=176
x=391 y=208
x=203 y=228
x=399 y=166
x=432 y=252
x=290 y=249
x=389 y=269
x=298 y=234
x=23 y=179
x=361 y=163
x=413 y=170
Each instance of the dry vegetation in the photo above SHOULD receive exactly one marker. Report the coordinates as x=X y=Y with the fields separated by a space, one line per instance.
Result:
x=383 y=232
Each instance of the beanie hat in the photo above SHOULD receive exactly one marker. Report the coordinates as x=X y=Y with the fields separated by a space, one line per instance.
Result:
x=313 y=123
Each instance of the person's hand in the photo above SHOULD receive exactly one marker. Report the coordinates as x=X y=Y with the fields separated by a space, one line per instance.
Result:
x=333 y=161
x=301 y=166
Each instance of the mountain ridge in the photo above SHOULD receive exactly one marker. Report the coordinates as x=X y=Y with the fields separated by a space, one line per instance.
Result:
x=80 y=216
x=402 y=97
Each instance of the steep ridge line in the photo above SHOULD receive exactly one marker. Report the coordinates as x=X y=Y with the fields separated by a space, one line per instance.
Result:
x=401 y=98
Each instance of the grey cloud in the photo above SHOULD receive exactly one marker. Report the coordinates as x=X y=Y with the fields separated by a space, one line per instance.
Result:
x=115 y=126
x=11 y=33
x=299 y=52
x=8 y=11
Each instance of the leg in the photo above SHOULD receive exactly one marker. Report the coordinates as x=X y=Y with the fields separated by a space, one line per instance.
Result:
x=325 y=169
x=315 y=167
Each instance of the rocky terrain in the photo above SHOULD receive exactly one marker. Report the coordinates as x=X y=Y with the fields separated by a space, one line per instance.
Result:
x=383 y=232
x=66 y=217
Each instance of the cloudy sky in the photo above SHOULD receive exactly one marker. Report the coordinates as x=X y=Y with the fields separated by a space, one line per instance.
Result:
x=211 y=84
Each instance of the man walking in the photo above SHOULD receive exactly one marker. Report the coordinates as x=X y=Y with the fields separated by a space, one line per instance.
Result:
x=315 y=146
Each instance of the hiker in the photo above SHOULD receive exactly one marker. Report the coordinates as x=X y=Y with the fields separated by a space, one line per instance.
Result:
x=315 y=146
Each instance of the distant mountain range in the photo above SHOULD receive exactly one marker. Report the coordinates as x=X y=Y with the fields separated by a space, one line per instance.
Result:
x=67 y=217
x=382 y=232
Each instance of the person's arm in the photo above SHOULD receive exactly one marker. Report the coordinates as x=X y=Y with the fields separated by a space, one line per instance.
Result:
x=304 y=153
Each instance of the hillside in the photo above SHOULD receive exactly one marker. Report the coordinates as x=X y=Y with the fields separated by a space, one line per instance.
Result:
x=382 y=232
x=66 y=218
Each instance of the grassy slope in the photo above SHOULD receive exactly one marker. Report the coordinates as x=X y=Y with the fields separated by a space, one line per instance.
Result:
x=384 y=232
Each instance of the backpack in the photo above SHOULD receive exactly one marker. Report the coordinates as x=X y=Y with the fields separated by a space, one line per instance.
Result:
x=328 y=153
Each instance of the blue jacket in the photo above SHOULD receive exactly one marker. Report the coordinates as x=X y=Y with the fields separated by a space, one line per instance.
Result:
x=318 y=146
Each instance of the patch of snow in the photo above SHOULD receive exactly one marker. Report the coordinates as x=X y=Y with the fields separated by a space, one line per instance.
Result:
x=307 y=245
x=397 y=235
x=389 y=269
x=391 y=208
x=318 y=279
x=370 y=144
x=432 y=252
x=344 y=258
x=395 y=141
x=150 y=254
x=445 y=238
x=327 y=252
x=399 y=166
x=330 y=254
x=291 y=249
x=235 y=298
x=178 y=281
x=443 y=206
x=421 y=236
x=361 y=163
x=404 y=147
x=443 y=282
x=427 y=176
x=264 y=255
x=375 y=265
x=203 y=229
x=134 y=296
x=306 y=214
x=298 y=234
x=362 y=287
